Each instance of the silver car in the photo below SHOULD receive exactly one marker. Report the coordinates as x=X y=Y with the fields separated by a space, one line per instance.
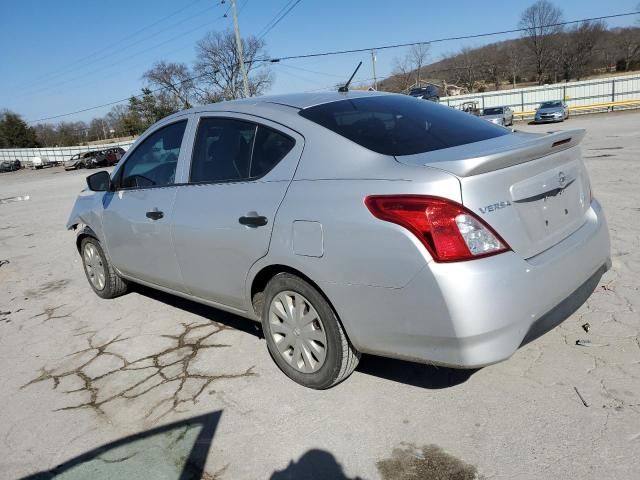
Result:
x=351 y=223
x=498 y=115
x=553 y=111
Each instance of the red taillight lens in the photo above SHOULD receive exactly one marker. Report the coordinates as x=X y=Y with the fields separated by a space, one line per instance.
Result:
x=448 y=230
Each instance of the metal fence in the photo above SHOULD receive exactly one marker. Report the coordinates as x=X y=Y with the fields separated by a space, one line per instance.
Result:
x=55 y=155
x=588 y=96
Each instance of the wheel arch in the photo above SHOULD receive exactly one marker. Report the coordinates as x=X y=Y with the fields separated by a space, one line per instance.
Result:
x=267 y=272
x=84 y=233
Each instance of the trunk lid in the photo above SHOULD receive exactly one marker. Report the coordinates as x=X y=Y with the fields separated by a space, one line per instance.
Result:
x=532 y=189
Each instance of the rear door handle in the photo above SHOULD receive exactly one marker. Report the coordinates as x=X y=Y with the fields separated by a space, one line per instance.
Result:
x=252 y=219
x=155 y=214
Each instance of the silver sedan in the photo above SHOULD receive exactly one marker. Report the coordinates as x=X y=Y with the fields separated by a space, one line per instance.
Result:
x=553 y=111
x=498 y=115
x=350 y=223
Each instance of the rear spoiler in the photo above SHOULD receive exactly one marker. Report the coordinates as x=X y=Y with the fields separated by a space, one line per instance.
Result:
x=496 y=154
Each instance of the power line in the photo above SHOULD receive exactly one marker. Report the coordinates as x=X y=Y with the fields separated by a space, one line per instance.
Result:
x=289 y=2
x=119 y=62
x=326 y=74
x=279 y=19
x=115 y=102
x=48 y=86
x=341 y=52
x=446 y=39
x=92 y=55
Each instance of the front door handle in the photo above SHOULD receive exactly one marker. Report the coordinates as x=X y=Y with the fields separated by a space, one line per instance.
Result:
x=252 y=219
x=155 y=214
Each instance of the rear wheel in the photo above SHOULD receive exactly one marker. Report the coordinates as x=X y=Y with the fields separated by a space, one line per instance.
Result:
x=101 y=275
x=304 y=335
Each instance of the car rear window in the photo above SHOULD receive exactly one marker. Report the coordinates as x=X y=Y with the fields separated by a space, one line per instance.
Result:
x=400 y=124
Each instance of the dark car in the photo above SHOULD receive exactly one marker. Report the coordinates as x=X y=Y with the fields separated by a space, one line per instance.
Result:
x=94 y=159
x=10 y=165
x=111 y=157
x=430 y=92
x=81 y=160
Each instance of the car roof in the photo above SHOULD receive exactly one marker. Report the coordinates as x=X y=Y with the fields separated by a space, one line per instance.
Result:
x=294 y=100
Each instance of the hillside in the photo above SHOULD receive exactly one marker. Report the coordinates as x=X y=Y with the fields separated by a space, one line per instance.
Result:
x=586 y=51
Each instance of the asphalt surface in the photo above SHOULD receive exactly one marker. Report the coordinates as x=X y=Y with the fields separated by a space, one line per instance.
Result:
x=152 y=386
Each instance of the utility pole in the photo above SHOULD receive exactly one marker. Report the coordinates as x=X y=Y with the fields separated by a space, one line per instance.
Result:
x=243 y=68
x=373 y=64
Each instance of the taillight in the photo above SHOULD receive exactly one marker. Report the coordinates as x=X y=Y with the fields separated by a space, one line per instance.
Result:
x=449 y=231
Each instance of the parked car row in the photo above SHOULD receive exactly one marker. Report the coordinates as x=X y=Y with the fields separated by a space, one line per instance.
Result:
x=552 y=111
x=94 y=159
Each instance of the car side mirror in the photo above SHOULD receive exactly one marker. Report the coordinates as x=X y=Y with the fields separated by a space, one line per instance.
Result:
x=99 y=182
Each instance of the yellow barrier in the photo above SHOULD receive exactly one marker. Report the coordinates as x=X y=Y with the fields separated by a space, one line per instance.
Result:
x=585 y=107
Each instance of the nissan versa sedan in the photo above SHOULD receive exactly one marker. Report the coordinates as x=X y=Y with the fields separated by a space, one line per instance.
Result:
x=350 y=223
x=554 y=111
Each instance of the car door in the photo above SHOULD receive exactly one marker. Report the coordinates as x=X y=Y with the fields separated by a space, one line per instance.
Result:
x=240 y=171
x=137 y=215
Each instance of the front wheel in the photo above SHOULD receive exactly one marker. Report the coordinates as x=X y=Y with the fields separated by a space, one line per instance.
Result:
x=101 y=275
x=303 y=334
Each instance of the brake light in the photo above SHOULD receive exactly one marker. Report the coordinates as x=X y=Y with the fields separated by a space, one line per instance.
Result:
x=447 y=229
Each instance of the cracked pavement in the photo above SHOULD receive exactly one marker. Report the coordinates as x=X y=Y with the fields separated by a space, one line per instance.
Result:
x=78 y=372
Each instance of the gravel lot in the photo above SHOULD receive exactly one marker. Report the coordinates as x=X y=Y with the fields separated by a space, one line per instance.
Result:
x=167 y=380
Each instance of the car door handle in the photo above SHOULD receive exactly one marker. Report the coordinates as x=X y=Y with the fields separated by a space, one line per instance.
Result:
x=155 y=214
x=252 y=219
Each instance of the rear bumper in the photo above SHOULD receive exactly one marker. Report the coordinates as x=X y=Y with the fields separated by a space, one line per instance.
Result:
x=472 y=314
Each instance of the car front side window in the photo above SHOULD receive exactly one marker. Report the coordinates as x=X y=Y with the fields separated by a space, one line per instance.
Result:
x=154 y=161
x=222 y=151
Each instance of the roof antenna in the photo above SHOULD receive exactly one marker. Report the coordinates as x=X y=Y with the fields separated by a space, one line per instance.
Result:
x=345 y=87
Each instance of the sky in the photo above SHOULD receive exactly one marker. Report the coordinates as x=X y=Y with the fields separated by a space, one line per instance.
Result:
x=66 y=55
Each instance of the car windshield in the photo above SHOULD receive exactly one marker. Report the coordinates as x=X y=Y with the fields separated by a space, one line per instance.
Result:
x=401 y=125
x=550 y=104
x=493 y=111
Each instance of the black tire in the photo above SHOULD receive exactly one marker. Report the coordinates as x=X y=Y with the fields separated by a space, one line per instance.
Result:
x=114 y=285
x=341 y=357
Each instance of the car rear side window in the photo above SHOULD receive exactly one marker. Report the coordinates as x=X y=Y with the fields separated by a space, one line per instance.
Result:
x=228 y=150
x=153 y=162
x=270 y=147
x=401 y=125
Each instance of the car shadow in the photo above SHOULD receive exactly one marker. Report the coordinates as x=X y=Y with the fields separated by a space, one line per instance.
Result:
x=178 y=450
x=400 y=371
x=211 y=313
x=420 y=375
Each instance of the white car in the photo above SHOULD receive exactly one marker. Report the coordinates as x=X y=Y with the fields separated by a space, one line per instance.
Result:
x=39 y=162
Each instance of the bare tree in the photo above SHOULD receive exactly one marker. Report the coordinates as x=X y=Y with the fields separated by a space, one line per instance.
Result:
x=576 y=48
x=466 y=68
x=513 y=62
x=116 y=119
x=175 y=78
x=402 y=73
x=418 y=56
x=539 y=22
x=628 y=45
x=218 y=67
x=492 y=60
